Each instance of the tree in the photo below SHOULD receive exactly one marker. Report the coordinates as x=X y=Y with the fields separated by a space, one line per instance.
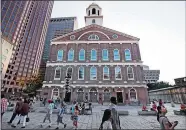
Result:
x=34 y=84
x=158 y=85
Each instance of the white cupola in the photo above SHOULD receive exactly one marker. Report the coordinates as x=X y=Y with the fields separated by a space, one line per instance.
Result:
x=94 y=15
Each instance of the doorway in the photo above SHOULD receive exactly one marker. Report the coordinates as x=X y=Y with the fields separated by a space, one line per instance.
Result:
x=119 y=97
x=67 y=97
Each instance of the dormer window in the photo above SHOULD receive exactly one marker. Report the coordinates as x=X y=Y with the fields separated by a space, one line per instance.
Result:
x=93 y=11
x=93 y=21
x=93 y=37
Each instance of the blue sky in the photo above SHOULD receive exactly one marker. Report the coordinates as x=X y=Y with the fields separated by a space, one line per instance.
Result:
x=160 y=25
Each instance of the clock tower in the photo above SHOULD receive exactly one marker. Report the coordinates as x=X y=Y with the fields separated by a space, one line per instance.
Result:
x=93 y=15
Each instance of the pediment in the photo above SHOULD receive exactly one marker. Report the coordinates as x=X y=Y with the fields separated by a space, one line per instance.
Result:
x=104 y=34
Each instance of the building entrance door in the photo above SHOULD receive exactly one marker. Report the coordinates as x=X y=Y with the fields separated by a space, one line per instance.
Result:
x=67 y=97
x=119 y=97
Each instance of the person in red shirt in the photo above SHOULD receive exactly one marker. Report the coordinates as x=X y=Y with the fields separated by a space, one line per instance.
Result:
x=3 y=105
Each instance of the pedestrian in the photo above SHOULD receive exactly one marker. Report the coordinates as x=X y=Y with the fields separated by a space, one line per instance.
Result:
x=83 y=109
x=115 y=116
x=49 y=113
x=160 y=102
x=60 y=116
x=4 y=102
x=23 y=114
x=44 y=102
x=17 y=110
x=163 y=120
x=75 y=117
x=106 y=121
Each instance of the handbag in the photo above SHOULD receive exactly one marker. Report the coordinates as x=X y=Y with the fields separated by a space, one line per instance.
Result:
x=27 y=119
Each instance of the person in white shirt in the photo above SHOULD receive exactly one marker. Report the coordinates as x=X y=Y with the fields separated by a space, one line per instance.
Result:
x=106 y=122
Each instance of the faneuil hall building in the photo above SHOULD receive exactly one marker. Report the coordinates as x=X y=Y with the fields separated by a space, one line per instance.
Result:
x=103 y=63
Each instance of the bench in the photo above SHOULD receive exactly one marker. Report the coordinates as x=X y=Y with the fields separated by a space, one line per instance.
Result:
x=123 y=113
x=178 y=112
x=147 y=113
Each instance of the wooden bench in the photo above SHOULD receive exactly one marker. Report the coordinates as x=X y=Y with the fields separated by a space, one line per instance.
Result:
x=178 y=112
x=123 y=113
x=147 y=113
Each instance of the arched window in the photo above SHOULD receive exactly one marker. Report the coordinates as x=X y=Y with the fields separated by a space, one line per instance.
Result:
x=117 y=73
x=93 y=90
x=105 y=55
x=105 y=73
x=130 y=73
x=93 y=55
x=81 y=73
x=89 y=13
x=71 y=55
x=127 y=55
x=82 y=55
x=80 y=90
x=93 y=37
x=116 y=55
x=60 y=55
x=57 y=73
x=93 y=11
x=55 y=92
x=69 y=71
x=106 y=91
x=93 y=73
x=93 y=21
x=133 y=95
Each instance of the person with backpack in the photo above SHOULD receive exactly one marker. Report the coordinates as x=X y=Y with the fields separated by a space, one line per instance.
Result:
x=106 y=121
x=60 y=116
x=115 y=116
x=163 y=120
x=49 y=113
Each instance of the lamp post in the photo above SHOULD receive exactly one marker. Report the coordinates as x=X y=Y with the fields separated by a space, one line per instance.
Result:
x=67 y=86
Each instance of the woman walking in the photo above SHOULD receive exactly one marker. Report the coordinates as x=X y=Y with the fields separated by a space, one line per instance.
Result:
x=75 y=117
x=106 y=121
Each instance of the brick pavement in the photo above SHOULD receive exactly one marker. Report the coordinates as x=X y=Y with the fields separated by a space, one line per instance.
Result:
x=133 y=121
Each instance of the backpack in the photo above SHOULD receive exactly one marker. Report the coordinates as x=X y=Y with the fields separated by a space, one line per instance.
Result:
x=115 y=121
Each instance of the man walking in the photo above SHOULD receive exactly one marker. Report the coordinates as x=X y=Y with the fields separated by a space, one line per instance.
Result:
x=17 y=110
x=4 y=102
x=115 y=116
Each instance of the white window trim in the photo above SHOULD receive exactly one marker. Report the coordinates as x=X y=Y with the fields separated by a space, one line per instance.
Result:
x=132 y=73
x=115 y=74
x=96 y=73
x=90 y=37
x=67 y=71
x=91 y=55
x=103 y=56
x=55 y=74
x=108 y=72
x=118 y=54
x=57 y=55
x=130 y=55
x=53 y=92
x=136 y=94
x=83 y=73
x=84 y=55
x=68 y=55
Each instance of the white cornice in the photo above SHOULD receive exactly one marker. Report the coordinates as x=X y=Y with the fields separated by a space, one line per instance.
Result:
x=87 y=42
x=93 y=64
x=100 y=86
x=93 y=31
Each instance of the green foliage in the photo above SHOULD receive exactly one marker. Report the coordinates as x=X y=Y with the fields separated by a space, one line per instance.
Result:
x=158 y=85
x=34 y=84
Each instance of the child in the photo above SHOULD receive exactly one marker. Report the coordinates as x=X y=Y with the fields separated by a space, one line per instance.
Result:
x=75 y=117
x=60 y=116
x=106 y=123
x=49 y=112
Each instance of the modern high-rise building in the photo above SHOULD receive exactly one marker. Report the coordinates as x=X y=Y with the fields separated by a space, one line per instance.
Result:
x=29 y=39
x=150 y=76
x=57 y=27
x=102 y=63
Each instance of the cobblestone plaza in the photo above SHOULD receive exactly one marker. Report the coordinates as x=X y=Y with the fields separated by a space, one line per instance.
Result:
x=132 y=121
